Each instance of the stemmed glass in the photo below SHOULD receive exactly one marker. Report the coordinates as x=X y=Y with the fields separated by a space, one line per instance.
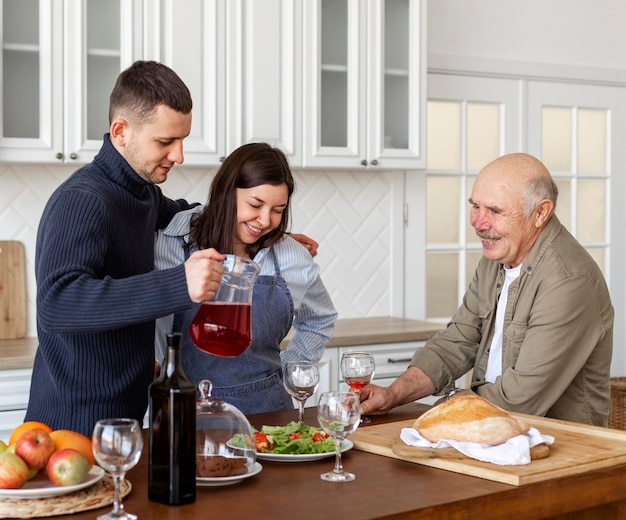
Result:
x=117 y=445
x=301 y=381
x=357 y=370
x=338 y=414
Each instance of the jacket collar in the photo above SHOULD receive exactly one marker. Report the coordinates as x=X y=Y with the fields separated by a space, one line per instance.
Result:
x=544 y=240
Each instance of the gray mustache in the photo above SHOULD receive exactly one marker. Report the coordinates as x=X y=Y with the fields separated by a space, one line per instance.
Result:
x=488 y=236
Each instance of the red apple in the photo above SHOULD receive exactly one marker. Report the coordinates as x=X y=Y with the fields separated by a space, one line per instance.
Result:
x=13 y=471
x=67 y=467
x=35 y=447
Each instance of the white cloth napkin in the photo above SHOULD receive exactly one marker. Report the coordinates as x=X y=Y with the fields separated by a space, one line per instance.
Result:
x=515 y=451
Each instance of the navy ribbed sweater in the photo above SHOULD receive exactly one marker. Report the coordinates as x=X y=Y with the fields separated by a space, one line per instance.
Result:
x=98 y=295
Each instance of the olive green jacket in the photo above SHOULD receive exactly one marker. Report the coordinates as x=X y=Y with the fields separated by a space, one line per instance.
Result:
x=557 y=340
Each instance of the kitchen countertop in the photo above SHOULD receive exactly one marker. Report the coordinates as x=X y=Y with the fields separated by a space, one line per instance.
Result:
x=20 y=353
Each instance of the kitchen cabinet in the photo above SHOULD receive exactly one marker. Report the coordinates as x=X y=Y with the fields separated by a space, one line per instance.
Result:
x=60 y=59
x=241 y=62
x=14 y=392
x=364 y=83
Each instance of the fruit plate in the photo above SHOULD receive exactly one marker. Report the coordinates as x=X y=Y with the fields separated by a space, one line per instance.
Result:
x=225 y=481
x=306 y=457
x=43 y=488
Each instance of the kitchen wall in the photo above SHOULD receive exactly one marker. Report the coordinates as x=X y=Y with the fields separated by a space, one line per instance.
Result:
x=564 y=34
x=348 y=213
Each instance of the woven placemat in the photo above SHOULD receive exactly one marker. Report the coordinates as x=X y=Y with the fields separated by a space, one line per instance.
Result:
x=93 y=497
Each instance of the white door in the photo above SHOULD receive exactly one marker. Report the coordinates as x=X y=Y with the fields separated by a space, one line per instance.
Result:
x=579 y=132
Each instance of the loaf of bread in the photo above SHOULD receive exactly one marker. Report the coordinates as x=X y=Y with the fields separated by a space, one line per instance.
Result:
x=469 y=418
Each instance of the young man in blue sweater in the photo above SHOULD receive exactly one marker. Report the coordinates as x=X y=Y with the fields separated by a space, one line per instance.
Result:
x=98 y=294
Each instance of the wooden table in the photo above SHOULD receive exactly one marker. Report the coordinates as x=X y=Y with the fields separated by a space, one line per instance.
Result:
x=384 y=488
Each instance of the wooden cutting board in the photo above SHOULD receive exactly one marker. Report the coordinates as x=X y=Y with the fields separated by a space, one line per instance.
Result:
x=12 y=290
x=577 y=448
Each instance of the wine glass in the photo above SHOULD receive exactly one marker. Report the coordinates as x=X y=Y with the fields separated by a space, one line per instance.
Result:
x=338 y=414
x=301 y=381
x=117 y=445
x=357 y=370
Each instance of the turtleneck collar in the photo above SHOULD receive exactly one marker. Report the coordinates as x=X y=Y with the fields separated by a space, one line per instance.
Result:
x=118 y=170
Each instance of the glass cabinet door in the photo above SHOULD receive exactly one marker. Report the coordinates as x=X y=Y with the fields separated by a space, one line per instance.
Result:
x=20 y=64
x=31 y=70
x=364 y=83
x=334 y=83
x=100 y=41
x=60 y=60
x=397 y=82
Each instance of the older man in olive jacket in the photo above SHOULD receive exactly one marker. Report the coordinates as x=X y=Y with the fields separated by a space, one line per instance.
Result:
x=536 y=323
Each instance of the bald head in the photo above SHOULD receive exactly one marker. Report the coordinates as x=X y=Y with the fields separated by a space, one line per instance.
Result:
x=522 y=174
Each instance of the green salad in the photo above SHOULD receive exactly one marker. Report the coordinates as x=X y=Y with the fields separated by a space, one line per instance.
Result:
x=296 y=438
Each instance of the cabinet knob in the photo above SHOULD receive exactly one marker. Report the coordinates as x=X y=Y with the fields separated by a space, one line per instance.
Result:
x=374 y=162
x=73 y=156
x=59 y=156
x=363 y=162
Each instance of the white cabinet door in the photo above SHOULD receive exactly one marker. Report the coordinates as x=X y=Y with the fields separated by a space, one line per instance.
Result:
x=60 y=62
x=241 y=61
x=264 y=70
x=364 y=83
x=190 y=37
x=14 y=392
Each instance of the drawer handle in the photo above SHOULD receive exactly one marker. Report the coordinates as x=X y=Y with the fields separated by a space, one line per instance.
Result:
x=390 y=360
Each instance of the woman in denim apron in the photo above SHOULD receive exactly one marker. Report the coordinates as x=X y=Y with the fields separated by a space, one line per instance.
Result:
x=250 y=195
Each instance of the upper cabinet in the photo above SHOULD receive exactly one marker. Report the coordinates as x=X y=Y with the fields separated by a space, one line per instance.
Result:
x=364 y=83
x=240 y=60
x=60 y=60
x=190 y=37
x=333 y=83
x=264 y=79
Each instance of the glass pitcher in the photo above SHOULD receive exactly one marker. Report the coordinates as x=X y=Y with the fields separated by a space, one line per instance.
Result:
x=222 y=326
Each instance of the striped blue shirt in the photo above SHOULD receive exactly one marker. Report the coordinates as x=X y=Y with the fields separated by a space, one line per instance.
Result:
x=314 y=312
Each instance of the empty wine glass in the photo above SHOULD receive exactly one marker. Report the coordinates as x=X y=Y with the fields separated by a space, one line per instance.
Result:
x=301 y=381
x=338 y=414
x=117 y=445
x=357 y=370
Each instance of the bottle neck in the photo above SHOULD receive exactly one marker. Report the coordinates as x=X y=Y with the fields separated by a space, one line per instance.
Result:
x=172 y=360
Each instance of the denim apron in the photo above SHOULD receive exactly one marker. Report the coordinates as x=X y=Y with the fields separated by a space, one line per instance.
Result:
x=252 y=381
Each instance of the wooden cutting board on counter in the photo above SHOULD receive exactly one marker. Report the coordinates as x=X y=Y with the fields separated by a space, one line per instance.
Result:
x=12 y=290
x=577 y=449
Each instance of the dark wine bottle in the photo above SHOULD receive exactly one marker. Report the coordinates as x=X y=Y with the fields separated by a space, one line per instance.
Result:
x=172 y=435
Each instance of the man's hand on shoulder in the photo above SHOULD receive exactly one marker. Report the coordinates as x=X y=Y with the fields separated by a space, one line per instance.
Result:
x=307 y=242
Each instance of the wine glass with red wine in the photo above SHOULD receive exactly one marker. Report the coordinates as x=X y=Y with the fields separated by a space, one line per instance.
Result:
x=357 y=370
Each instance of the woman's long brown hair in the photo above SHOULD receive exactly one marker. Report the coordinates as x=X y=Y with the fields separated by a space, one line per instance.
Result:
x=248 y=166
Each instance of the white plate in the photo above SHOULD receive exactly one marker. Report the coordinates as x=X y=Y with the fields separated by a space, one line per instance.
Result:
x=276 y=457
x=40 y=488
x=225 y=481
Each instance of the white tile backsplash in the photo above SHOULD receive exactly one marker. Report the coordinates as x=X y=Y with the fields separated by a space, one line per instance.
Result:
x=348 y=213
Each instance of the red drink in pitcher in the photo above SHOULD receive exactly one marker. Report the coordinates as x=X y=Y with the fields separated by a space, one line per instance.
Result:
x=222 y=328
